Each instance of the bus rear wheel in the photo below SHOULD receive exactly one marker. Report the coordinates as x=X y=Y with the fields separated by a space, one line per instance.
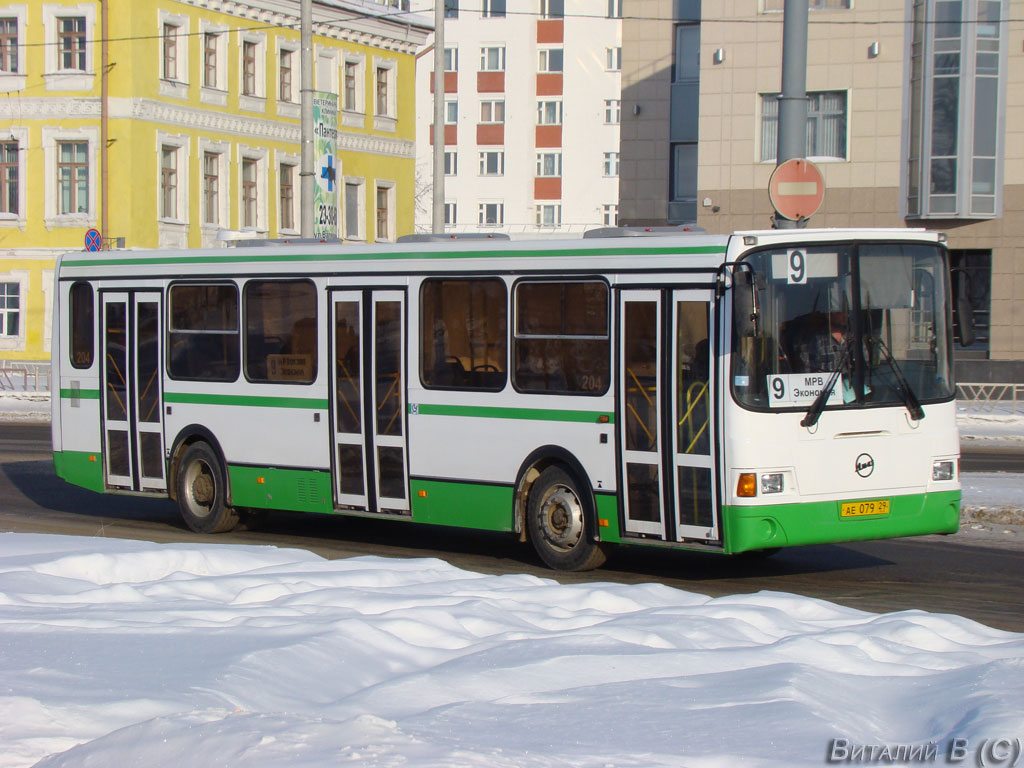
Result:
x=557 y=522
x=202 y=490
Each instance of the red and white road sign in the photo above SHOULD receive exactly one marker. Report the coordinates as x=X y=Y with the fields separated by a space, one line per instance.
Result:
x=796 y=189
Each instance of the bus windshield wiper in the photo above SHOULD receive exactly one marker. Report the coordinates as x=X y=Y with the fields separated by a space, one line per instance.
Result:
x=902 y=385
x=814 y=412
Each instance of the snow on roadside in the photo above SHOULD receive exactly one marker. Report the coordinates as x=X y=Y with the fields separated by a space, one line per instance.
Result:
x=130 y=653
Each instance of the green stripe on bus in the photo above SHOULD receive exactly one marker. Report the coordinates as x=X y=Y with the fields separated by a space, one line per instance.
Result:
x=86 y=261
x=524 y=414
x=84 y=468
x=465 y=505
x=316 y=404
x=81 y=394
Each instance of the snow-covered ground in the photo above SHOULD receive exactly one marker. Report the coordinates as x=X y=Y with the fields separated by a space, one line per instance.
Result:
x=123 y=653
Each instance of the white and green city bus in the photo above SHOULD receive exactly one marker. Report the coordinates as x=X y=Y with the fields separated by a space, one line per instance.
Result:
x=647 y=390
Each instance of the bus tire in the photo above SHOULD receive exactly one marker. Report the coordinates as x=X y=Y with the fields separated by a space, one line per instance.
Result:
x=557 y=521
x=202 y=491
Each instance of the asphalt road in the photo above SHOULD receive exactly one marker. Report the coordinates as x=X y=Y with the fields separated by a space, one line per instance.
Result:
x=959 y=574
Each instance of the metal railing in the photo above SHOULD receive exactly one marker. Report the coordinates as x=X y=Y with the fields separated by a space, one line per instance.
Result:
x=990 y=398
x=21 y=376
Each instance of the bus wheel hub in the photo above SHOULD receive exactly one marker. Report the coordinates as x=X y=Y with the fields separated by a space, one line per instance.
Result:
x=562 y=518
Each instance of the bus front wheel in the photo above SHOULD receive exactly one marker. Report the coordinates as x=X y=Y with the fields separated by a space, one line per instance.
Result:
x=202 y=491
x=557 y=522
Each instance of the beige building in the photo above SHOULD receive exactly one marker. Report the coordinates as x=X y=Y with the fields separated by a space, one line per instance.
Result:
x=912 y=125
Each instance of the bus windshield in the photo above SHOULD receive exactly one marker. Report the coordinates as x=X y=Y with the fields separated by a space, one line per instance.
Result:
x=875 y=314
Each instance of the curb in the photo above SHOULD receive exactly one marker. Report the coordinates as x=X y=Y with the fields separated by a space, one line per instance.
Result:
x=996 y=515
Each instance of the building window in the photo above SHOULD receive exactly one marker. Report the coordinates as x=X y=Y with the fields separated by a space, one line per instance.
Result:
x=613 y=59
x=169 y=182
x=9 y=177
x=826 y=125
x=383 y=214
x=549 y=215
x=9 y=45
x=352 y=75
x=73 y=176
x=383 y=77
x=10 y=309
x=491 y=214
x=211 y=188
x=284 y=76
x=550 y=60
x=451 y=113
x=170 y=42
x=494 y=9
x=250 y=168
x=610 y=215
x=612 y=111
x=552 y=9
x=614 y=9
x=683 y=181
x=451 y=59
x=492 y=163
x=248 y=68
x=286 y=181
x=549 y=113
x=451 y=9
x=549 y=163
x=451 y=211
x=957 y=94
x=353 y=210
x=71 y=43
x=611 y=163
x=492 y=111
x=451 y=163
x=210 y=46
x=492 y=59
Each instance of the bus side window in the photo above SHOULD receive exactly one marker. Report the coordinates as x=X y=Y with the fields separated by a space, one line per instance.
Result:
x=562 y=344
x=280 y=331
x=82 y=325
x=203 y=332
x=464 y=334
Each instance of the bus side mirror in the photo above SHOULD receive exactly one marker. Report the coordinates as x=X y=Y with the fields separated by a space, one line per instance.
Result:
x=965 y=321
x=744 y=298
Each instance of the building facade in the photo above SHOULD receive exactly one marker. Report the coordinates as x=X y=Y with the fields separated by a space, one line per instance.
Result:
x=532 y=113
x=176 y=123
x=915 y=118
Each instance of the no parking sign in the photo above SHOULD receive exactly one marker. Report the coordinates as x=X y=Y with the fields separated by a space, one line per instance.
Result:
x=93 y=241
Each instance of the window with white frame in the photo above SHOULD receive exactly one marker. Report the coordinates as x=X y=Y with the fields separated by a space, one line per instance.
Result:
x=826 y=125
x=213 y=63
x=613 y=59
x=69 y=53
x=385 y=81
x=492 y=111
x=549 y=113
x=549 y=214
x=383 y=85
x=492 y=163
x=9 y=62
x=168 y=182
x=327 y=71
x=174 y=47
x=384 y=208
x=211 y=59
x=451 y=113
x=70 y=189
x=611 y=163
x=10 y=178
x=610 y=214
x=451 y=59
x=549 y=163
x=451 y=211
x=451 y=163
x=252 y=70
x=612 y=111
x=451 y=9
x=550 y=60
x=493 y=9
x=491 y=214
x=287 y=58
x=172 y=182
x=492 y=58
x=71 y=43
x=170 y=45
x=211 y=187
x=354 y=210
x=252 y=187
x=287 y=176
x=352 y=93
x=72 y=177
x=552 y=9
x=10 y=309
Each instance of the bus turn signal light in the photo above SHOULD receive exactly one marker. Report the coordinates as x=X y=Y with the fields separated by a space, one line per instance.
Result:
x=747 y=485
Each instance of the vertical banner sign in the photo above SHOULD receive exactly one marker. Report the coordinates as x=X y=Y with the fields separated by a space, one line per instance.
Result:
x=325 y=141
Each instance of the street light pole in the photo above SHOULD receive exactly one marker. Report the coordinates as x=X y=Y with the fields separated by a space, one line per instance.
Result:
x=792 y=140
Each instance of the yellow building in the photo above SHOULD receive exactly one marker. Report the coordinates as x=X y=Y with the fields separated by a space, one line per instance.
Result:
x=176 y=123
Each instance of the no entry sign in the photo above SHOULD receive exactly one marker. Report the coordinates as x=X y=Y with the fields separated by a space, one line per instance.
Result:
x=796 y=189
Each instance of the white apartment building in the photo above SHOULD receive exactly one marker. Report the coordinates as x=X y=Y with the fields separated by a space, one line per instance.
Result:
x=532 y=113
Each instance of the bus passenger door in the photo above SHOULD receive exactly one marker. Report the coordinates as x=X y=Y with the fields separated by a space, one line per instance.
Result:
x=132 y=417
x=369 y=457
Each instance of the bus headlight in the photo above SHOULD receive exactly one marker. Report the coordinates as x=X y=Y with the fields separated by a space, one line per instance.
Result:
x=942 y=470
x=772 y=482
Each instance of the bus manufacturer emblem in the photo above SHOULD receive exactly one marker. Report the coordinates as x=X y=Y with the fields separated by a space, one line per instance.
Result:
x=864 y=465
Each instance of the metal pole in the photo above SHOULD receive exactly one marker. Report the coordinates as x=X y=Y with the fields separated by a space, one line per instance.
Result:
x=793 y=99
x=104 y=121
x=306 y=120
x=437 y=218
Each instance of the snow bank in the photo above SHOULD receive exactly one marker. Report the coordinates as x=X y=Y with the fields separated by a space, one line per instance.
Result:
x=129 y=653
